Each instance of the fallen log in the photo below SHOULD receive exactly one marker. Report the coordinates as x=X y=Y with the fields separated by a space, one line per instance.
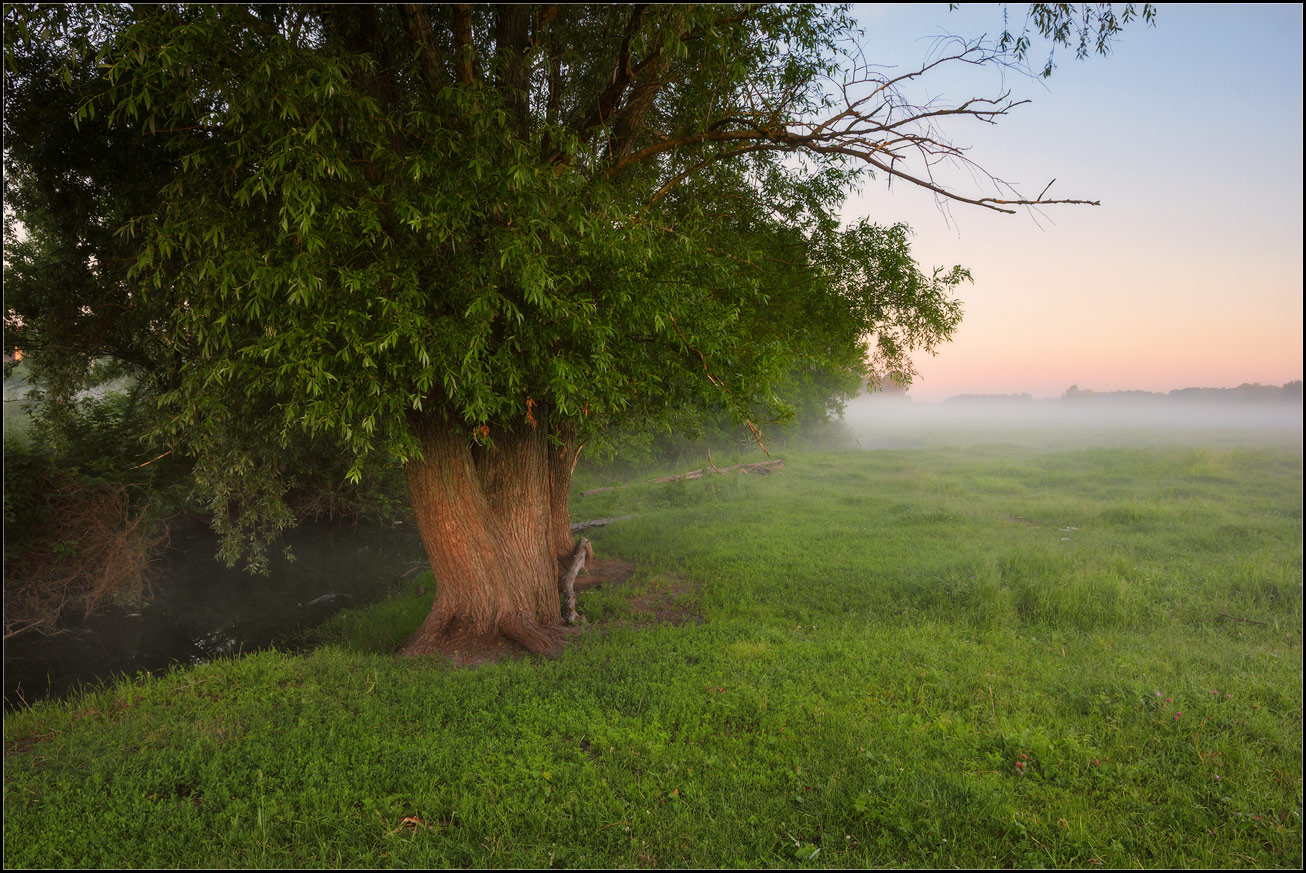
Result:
x=598 y=522
x=760 y=467
x=692 y=474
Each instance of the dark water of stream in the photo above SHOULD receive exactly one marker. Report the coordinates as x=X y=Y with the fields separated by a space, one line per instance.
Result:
x=201 y=610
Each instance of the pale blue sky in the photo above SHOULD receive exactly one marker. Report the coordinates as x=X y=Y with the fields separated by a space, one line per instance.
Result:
x=1188 y=274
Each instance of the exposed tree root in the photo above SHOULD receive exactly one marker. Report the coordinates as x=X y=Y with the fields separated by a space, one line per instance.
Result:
x=448 y=637
x=537 y=639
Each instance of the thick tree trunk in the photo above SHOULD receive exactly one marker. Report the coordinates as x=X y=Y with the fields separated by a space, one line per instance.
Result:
x=486 y=519
x=563 y=454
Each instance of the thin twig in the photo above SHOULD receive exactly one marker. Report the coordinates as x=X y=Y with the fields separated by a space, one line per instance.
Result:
x=151 y=460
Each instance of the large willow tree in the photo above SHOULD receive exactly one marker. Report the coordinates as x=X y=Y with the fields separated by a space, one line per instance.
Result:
x=467 y=237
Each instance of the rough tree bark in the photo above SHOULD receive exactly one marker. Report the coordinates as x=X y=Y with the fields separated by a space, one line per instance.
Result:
x=563 y=454
x=488 y=521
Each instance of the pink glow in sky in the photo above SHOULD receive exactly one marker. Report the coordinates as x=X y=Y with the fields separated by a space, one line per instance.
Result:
x=1190 y=272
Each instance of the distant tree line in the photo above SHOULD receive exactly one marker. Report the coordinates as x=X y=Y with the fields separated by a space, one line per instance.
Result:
x=1248 y=392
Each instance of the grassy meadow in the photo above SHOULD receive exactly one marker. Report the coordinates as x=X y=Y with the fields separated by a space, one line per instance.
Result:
x=996 y=656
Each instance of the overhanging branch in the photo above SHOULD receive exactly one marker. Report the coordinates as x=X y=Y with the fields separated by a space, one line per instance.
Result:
x=877 y=125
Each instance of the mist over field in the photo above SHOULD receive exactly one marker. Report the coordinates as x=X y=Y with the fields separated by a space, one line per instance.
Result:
x=887 y=422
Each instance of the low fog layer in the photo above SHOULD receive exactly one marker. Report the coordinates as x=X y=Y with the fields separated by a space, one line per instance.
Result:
x=879 y=422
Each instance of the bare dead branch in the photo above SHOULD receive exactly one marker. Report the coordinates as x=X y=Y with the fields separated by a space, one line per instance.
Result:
x=877 y=125
x=94 y=549
x=152 y=460
x=568 y=583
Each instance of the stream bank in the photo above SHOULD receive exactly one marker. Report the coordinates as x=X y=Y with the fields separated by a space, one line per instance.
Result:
x=202 y=610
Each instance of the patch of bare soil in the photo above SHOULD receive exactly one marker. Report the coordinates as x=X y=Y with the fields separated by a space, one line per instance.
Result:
x=669 y=600
x=26 y=743
x=663 y=600
x=600 y=572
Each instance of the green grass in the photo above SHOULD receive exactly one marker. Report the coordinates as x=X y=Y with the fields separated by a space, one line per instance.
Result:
x=973 y=657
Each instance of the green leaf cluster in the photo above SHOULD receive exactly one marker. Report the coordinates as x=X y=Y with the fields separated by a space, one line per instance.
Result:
x=304 y=225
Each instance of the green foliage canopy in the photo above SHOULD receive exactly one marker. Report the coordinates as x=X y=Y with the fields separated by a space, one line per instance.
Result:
x=323 y=219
